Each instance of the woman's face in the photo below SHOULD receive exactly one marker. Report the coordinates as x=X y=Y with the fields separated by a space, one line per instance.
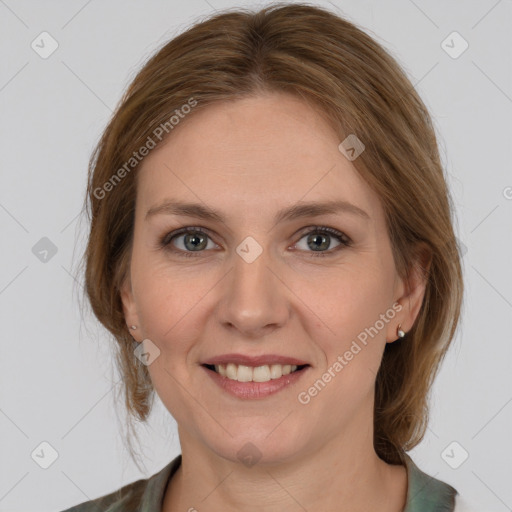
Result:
x=265 y=282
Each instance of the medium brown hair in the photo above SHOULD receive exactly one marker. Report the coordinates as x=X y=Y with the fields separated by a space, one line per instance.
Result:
x=327 y=61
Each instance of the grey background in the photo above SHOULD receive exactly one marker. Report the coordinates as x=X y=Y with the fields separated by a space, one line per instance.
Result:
x=57 y=385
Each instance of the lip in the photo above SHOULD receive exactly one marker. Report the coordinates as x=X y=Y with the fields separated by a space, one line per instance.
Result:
x=255 y=390
x=254 y=360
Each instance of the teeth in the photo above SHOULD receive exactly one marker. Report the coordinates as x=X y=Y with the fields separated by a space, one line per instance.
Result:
x=231 y=371
x=263 y=373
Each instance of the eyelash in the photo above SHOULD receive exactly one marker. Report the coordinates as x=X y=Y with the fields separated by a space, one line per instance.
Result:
x=165 y=241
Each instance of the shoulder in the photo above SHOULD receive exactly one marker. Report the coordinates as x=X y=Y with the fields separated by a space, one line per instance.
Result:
x=428 y=494
x=143 y=494
x=125 y=498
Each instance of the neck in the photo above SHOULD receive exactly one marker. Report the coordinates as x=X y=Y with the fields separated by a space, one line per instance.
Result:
x=347 y=466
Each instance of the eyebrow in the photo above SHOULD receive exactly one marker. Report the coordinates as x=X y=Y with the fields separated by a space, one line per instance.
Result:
x=300 y=210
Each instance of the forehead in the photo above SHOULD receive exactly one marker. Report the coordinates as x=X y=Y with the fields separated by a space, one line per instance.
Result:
x=259 y=152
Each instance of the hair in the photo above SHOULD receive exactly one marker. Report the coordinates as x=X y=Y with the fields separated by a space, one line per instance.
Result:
x=360 y=88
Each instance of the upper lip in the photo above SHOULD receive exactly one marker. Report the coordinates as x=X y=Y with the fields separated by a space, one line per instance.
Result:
x=254 y=360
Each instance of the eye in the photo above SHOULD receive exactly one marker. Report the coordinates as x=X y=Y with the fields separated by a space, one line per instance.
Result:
x=188 y=241
x=319 y=238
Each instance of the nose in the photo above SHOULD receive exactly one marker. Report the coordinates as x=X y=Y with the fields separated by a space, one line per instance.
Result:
x=255 y=300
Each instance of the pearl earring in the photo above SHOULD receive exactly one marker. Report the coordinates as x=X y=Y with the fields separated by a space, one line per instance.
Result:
x=399 y=331
x=133 y=327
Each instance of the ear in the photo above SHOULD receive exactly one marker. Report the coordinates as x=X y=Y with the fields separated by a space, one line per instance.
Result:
x=411 y=292
x=129 y=308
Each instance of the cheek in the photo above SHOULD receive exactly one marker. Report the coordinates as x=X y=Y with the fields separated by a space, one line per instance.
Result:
x=353 y=343
x=167 y=307
x=165 y=292
x=354 y=308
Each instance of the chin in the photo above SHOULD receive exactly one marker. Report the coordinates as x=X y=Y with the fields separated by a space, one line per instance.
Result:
x=258 y=446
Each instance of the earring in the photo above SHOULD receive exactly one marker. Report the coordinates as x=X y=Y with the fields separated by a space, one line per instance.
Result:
x=399 y=331
x=133 y=327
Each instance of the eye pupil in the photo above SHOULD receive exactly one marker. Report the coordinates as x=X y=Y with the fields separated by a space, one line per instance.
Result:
x=198 y=241
x=322 y=244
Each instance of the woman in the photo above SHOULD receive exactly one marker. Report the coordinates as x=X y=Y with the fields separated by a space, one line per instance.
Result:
x=272 y=249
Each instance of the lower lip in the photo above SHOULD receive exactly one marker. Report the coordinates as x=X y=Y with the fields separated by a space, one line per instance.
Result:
x=254 y=390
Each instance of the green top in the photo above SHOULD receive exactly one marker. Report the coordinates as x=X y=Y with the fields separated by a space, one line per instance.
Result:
x=424 y=493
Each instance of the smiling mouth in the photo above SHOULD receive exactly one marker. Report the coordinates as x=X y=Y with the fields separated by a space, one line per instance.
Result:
x=264 y=373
